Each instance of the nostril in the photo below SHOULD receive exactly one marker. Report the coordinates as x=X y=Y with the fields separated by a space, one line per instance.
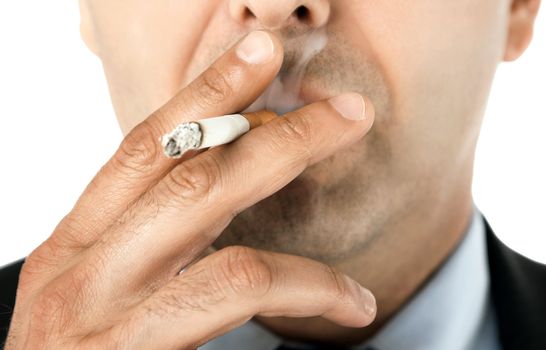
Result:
x=248 y=14
x=302 y=13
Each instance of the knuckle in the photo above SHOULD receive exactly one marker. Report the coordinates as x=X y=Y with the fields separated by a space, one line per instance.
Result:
x=60 y=304
x=38 y=264
x=243 y=270
x=213 y=86
x=194 y=181
x=337 y=282
x=138 y=151
x=297 y=133
x=48 y=312
x=71 y=233
x=194 y=292
x=177 y=298
x=39 y=259
x=30 y=273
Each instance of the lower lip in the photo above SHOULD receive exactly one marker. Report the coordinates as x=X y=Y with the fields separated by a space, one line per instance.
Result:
x=308 y=94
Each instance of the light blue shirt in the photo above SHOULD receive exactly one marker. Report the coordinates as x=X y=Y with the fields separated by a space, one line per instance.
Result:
x=453 y=311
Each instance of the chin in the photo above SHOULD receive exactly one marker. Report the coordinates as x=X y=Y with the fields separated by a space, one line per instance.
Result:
x=290 y=221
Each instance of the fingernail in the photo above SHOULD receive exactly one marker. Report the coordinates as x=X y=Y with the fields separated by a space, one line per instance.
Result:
x=369 y=305
x=351 y=105
x=256 y=48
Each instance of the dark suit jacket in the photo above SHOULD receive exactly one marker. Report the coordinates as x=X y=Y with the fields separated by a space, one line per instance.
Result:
x=518 y=288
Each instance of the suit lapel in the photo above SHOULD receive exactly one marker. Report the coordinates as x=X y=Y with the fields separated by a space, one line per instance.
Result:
x=518 y=289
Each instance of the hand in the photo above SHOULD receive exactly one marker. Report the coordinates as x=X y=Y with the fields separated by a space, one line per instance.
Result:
x=108 y=276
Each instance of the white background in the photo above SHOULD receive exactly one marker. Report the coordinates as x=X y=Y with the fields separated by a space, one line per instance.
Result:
x=57 y=128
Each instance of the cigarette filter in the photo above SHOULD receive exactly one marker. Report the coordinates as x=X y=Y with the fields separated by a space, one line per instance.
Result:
x=210 y=132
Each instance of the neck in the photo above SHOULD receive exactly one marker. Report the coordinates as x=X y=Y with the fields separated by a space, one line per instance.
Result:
x=408 y=252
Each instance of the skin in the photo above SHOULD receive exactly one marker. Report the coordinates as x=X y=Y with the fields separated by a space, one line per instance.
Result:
x=385 y=209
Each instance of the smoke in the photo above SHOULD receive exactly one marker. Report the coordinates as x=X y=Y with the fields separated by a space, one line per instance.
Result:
x=283 y=94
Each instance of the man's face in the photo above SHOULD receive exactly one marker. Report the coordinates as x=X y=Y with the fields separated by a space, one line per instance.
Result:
x=426 y=65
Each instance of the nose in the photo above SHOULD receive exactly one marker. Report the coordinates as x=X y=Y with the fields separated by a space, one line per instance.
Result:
x=277 y=14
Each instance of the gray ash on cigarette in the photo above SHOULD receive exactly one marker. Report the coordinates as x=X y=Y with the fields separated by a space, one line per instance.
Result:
x=184 y=137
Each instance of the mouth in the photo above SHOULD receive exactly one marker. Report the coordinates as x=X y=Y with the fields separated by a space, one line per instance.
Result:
x=288 y=91
x=283 y=96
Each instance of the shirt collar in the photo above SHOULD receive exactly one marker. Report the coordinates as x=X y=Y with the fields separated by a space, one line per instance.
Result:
x=445 y=314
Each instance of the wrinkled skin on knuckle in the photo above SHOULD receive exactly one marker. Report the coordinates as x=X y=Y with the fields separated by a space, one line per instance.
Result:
x=297 y=135
x=37 y=262
x=176 y=300
x=48 y=316
x=73 y=233
x=212 y=87
x=60 y=306
x=138 y=151
x=190 y=292
x=195 y=184
x=243 y=271
x=337 y=287
x=40 y=263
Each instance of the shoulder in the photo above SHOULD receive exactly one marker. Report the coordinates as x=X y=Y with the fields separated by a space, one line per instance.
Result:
x=518 y=289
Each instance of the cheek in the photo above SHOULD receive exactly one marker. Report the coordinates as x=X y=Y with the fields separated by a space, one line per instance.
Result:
x=220 y=33
x=439 y=58
x=145 y=45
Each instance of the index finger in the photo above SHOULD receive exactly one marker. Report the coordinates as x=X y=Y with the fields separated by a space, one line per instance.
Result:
x=189 y=208
x=231 y=84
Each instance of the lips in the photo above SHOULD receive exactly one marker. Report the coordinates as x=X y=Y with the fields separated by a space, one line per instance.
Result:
x=283 y=96
x=280 y=97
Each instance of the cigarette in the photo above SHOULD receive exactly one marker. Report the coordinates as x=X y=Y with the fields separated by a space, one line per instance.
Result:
x=210 y=132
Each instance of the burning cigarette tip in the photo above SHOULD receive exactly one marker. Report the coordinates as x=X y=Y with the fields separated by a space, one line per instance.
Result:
x=184 y=137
